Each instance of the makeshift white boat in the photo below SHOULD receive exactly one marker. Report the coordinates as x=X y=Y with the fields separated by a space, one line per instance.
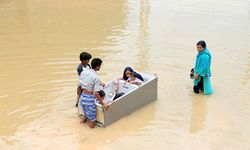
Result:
x=134 y=97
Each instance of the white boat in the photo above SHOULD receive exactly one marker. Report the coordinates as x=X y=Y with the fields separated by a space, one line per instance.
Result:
x=134 y=98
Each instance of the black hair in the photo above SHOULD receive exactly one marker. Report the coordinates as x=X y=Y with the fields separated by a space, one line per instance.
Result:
x=202 y=44
x=85 y=56
x=133 y=74
x=131 y=70
x=101 y=93
x=96 y=62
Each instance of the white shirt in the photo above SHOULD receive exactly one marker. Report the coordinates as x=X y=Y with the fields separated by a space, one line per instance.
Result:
x=89 y=80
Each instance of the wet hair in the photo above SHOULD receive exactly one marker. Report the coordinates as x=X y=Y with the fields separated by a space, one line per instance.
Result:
x=96 y=62
x=101 y=93
x=202 y=44
x=85 y=56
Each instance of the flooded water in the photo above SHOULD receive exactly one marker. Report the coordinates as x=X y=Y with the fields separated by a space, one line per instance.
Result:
x=40 y=42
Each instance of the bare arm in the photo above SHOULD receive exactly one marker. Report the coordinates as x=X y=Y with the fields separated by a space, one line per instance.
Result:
x=98 y=97
x=117 y=84
x=137 y=82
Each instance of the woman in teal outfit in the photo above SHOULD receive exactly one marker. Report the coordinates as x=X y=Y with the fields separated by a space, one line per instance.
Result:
x=202 y=72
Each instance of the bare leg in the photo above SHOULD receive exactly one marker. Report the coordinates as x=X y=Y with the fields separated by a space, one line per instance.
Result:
x=79 y=91
x=91 y=124
x=77 y=100
x=84 y=119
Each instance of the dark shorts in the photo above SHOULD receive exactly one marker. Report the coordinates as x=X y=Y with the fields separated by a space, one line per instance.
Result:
x=117 y=95
x=199 y=86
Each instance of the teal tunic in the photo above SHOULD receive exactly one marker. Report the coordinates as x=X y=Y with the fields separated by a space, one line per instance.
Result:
x=202 y=67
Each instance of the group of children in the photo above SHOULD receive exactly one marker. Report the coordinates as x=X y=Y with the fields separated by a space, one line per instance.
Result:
x=89 y=82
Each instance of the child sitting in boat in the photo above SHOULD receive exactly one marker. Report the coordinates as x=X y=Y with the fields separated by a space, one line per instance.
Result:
x=102 y=94
x=126 y=74
x=106 y=99
x=133 y=79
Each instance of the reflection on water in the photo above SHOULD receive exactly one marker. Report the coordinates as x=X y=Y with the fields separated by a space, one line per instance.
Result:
x=198 y=115
x=143 y=44
x=40 y=43
x=126 y=126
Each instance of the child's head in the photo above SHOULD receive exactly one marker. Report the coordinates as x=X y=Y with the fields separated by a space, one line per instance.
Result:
x=96 y=64
x=85 y=57
x=102 y=94
x=133 y=76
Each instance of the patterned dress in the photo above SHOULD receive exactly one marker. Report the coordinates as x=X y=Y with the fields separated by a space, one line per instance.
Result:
x=90 y=81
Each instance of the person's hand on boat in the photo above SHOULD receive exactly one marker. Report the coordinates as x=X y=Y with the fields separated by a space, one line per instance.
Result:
x=106 y=106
